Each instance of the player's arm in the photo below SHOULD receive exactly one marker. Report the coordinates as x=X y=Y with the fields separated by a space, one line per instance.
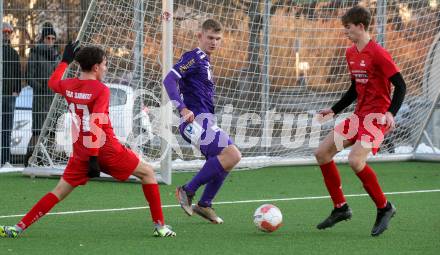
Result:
x=170 y=83
x=187 y=65
x=399 y=93
x=396 y=101
x=68 y=56
x=347 y=99
x=390 y=70
x=55 y=79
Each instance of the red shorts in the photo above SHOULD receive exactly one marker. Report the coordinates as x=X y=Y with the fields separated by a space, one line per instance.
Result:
x=117 y=161
x=366 y=129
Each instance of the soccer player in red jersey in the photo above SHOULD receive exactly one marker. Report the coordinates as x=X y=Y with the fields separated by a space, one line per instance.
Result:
x=95 y=147
x=372 y=70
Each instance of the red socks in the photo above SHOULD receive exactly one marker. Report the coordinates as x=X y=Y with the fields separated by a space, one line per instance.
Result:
x=43 y=206
x=371 y=185
x=151 y=192
x=367 y=176
x=333 y=182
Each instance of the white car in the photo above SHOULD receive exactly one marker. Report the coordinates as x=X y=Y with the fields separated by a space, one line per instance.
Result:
x=22 y=129
x=121 y=111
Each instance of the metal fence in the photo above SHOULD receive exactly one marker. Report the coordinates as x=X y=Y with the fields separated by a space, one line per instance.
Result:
x=34 y=33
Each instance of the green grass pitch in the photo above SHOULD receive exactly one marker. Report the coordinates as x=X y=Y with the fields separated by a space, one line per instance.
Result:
x=414 y=230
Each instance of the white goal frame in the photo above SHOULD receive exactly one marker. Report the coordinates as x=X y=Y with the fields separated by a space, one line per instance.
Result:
x=165 y=167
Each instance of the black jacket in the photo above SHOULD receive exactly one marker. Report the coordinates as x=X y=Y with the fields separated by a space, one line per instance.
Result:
x=11 y=70
x=42 y=62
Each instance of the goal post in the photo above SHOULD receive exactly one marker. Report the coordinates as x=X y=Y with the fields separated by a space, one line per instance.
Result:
x=279 y=63
x=166 y=112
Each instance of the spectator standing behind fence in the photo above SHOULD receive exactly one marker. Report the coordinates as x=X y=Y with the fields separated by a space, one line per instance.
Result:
x=43 y=59
x=11 y=88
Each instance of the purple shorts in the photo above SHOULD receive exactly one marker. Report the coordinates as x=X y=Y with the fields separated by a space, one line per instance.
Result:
x=206 y=136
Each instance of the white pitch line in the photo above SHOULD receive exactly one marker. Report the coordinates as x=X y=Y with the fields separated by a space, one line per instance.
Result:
x=226 y=202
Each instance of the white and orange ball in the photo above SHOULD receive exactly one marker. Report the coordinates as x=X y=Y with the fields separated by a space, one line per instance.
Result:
x=268 y=218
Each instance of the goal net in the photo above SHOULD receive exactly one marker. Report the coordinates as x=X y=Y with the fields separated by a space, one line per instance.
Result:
x=279 y=63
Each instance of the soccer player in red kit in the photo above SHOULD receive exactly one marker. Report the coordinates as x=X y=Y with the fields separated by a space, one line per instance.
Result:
x=372 y=70
x=95 y=147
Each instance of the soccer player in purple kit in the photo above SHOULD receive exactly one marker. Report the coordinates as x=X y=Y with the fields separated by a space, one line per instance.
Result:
x=191 y=88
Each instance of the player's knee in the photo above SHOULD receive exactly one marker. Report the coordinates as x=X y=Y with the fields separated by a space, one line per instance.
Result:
x=321 y=155
x=230 y=157
x=62 y=190
x=148 y=171
x=234 y=156
x=145 y=173
x=317 y=153
x=58 y=193
x=355 y=162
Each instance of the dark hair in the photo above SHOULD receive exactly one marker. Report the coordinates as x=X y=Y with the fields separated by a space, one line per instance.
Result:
x=212 y=24
x=88 y=56
x=357 y=15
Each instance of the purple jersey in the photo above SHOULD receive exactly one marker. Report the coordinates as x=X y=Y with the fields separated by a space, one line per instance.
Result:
x=196 y=84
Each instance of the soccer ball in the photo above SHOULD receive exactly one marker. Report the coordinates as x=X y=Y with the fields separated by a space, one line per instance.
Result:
x=268 y=218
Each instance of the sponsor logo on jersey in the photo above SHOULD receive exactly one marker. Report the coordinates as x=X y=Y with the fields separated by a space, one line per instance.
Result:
x=189 y=129
x=360 y=76
x=193 y=132
x=185 y=67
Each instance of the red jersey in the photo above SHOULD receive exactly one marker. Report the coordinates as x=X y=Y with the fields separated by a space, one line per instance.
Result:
x=371 y=68
x=88 y=102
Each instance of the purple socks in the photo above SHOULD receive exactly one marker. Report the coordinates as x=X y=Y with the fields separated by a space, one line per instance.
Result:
x=211 y=189
x=212 y=174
